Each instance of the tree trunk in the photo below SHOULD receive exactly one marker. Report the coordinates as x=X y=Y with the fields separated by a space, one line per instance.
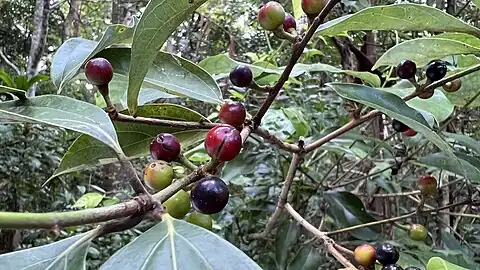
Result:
x=72 y=22
x=451 y=7
x=39 y=34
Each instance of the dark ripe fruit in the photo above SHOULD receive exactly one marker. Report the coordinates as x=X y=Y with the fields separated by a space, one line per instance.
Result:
x=409 y=132
x=399 y=126
x=241 y=76
x=365 y=255
x=436 y=70
x=233 y=113
x=417 y=232
x=412 y=268
x=313 y=7
x=165 y=147
x=178 y=205
x=158 y=175
x=99 y=71
x=452 y=86
x=387 y=254
x=210 y=195
x=271 y=15
x=406 y=69
x=392 y=267
x=427 y=185
x=199 y=219
x=289 y=22
x=223 y=142
x=426 y=94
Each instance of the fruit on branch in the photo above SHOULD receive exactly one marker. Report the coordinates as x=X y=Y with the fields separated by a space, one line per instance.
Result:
x=233 y=113
x=436 y=70
x=289 y=22
x=210 y=195
x=409 y=132
x=427 y=185
x=178 y=205
x=365 y=255
x=392 y=267
x=158 y=175
x=165 y=146
x=452 y=86
x=271 y=15
x=412 y=268
x=399 y=126
x=417 y=232
x=387 y=254
x=223 y=142
x=241 y=76
x=426 y=94
x=406 y=69
x=313 y=7
x=99 y=71
x=199 y=219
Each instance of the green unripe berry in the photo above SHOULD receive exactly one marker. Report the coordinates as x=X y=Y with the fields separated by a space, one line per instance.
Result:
x=158 y=175
x=199 y=219
x=418 y=232
x=178 y=205
x=271 y=15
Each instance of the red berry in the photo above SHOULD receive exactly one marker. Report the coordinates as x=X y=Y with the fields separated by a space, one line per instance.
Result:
x=406 y=69
x=241 y=76
x=165 y=147
x=313 y=7
x=289 y=22
x=271 y=15
x=452 y=86
x=365 y=255
x=99 y=71
x=210 y=195
x=233 y=114
x=427 y=185
x=223 y=142
x=410 y=132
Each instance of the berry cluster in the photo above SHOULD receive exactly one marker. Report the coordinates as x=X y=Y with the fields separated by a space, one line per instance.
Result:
x=386 y=254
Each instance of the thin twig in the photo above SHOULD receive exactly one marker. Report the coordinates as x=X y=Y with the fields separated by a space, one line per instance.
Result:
x=265 y=134
x=166 y=123
x=9 y=63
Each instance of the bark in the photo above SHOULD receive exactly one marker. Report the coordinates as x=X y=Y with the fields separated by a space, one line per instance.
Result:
x=72 y=22
x=122 y=11
x=440 y=4
x=451 y=7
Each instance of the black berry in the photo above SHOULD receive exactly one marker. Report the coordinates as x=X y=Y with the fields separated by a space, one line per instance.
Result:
x=392 y=267
x=406 y=69
x=436 y=70
x=399 y=126
x=387 y=254
x=412 y=268
x=241 y=76
x=165 y=147
x=99 y=71
x=210 y=195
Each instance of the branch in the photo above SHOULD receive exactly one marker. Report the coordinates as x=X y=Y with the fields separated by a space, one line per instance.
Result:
x=9 y=63
x=161 y=122
x=265 y=134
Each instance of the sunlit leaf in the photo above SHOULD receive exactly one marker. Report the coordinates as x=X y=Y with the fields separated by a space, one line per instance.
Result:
x=437 y=263
x=89 y=200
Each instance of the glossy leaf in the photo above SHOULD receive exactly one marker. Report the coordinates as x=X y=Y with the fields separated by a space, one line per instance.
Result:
x=75 y=52
x=176 y=244
x=63 y=112
x=134 y=138
x=285 y=238
x=392 y=106
x=423 y=50
x=56 y=256
x=17 y=92
x=348 y=210
x=89 y=200
x=465 y=140
x=171 y=74
x=307 y=258
x=469 y=166
x=402 y=17
x=437 y=263
x=158 y=21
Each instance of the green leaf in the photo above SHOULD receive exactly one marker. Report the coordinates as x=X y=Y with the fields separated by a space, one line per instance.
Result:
x=470 y=83
x=63 y=112
x=462 y=37
x=176 y=244
x=285 y=238
x=298 y=120
x=297 y=8
x=465 y=140
x=477 y=3
x=468 y=168
x=75 y=52
x=56 y=256
x=423 y=50
x=6 y=78
x=402 y=17
x=134 y=138
x=348 y=210
x=17 y=92
x=392 y=106
x=110 y=201
x=307 y=258
x=89 y=200
x=158 y=21
x=437 y=263
x=169 y=73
